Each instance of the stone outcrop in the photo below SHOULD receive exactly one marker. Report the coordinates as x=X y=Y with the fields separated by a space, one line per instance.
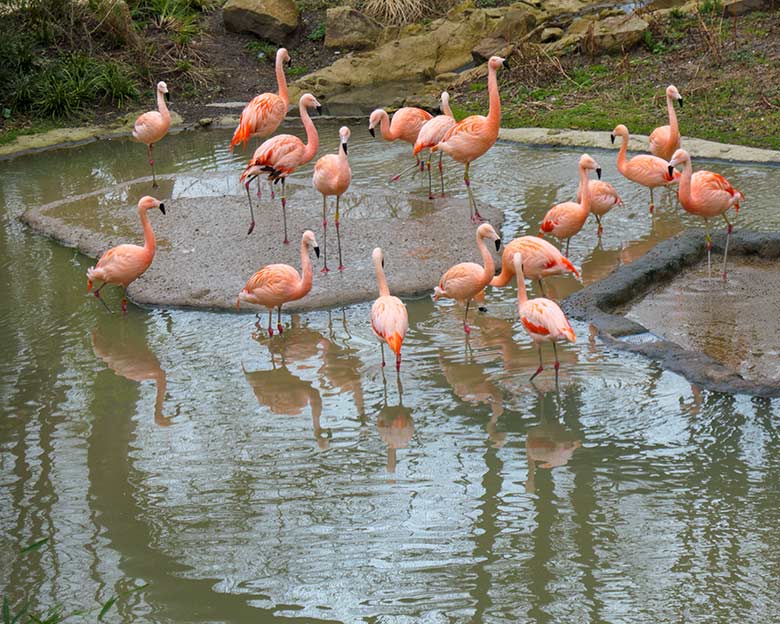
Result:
x=614 y=34
x=349 y=29
x=273 y=20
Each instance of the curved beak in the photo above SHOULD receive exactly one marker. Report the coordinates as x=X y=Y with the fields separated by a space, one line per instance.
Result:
x=319 y=110
x=505 y=64
x=317 y=251
x=679 y=101
x=612 y=138
x=344 y=145
x=289 y=62
x=598 y=172
x=498 y=243
x=371 y=130
x=167 y=97
x=383 y=263
x=162 y=208
x=671 y=170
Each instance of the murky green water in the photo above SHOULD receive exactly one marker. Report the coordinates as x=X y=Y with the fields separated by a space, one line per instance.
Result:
x=247 y=479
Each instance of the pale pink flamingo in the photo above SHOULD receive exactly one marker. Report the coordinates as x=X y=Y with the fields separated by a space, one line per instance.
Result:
x=279 y=156
x=389 y=320
x=468 y=139
x=647 y=170
x=266 y=111
x=124 y=264
x=664 y=140
x=603 y=198
x=706 y=194
x=465 y=281
x=405 y=126
x=277 y=284
x=540 y=260
x=332 y=176
x=564 y=220
x=431 y=134
x=543 y=319
x=153 y=126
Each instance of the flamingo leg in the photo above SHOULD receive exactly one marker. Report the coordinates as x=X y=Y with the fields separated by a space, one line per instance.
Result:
x=151 y=164
x=397 y=177
x=284 y=212
x=600 y=229
x=259 y=193
x=398 y=362
x=325 y=268
x=279 y=325
x=99 y=298
x=652 y=202
x=338 y=234
x=251 y=209
x=475 y=216
x=270 y=319
x=708 y=243
x=273 y=193
x=441 y=174
x=557 y=363
x=466 y=327
x=124 y=301
x=541 y=368
x=568 y=240
x=541 y=287
x=726 y=249
x=382 y=346
x=430 y=182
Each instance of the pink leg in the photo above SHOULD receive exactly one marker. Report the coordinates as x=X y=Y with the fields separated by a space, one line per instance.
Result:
x=284 y=213
x=430 y=183
x=251 y=209
x=382 y=346
x=398 y=363
x=441 y=175
x=270 y=318
x=726 y=250
x=279 y=325
x=338 y=233
x=541 y=368
x=466 y=327
x=557 y=363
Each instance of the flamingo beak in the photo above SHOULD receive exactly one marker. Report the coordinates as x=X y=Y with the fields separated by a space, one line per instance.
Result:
x=505 y=64
x=612 y=138
x=162 y=208
x=344 y=145
x=289 y=62
x=371 y=130
x=167 y=97
x=679 y=101
x=498 y=244
x=319 y=110
x=317 y=251
x=598 y=172
x=383 y=263
x=671 y=170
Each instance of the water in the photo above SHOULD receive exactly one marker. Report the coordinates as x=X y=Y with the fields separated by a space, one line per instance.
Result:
x=248 y=479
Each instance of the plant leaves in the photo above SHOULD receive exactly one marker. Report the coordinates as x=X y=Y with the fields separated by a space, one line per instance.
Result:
x=108 y=604
x=20 y=613
x=34 y=546
x=6 y=611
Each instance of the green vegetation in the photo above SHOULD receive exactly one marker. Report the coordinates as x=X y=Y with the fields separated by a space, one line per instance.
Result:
x=297 y=70
x=264 y=50
x=317 y=33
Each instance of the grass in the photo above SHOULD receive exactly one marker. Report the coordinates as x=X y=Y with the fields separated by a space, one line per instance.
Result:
x=317 y=33
x=297 y=70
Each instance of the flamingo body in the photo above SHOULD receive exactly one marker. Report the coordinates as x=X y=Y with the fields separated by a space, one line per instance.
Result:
x=603 y=197
x=405 y=125
x=389 y=319
x=150 y=127
x=540 y=260
x=665 y=140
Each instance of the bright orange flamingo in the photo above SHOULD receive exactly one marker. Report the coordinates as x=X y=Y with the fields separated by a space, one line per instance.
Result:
x=431 y=134
x=153 y=126
x=405 y=126
x=540 y=260
x=124 y=264
x=542 y=318
x=706 y=194
x=647 y=170
x=277 y=284
x=664 y=140
x=564 y=220
x=332 y=176
x=465 y=281
x=603 y=198
x=266 y=111
x=279 y=156
x=389 y=320
x=468 y=139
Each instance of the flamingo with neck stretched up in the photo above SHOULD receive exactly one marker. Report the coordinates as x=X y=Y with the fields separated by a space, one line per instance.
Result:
x=150 y=127
x=665 y=140
x=405 y=126
x=603 y=198
x=389 y=319
x=431 y=134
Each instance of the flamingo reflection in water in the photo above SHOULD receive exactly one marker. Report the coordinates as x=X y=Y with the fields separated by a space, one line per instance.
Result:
x=130 y=357
x=394 y=424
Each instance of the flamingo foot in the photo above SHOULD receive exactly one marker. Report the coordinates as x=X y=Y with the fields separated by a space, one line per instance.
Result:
x=324 y=270
x=280 y=327
x=286 y=242
x=652 y=208
x=124 y=305
x=251 y=227
x=395 y=178
x=342 y=267
x=466 y=328
x=431 y=196
x=398 y=364
x=270 y=331
x=538 y=370
x=600 y=231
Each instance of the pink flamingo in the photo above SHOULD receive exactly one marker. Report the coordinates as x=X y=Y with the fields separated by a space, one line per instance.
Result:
x=664 y=140
x=153 y=126
x=706 y=194
x=540 y=260
x=542 y=318
x=389 y=320
x=465 y=281
x=332 y=176
x=564 y=220
x=405 y=126
x=649 y=171
x=603 y=198
x=124 y=264
x=279 y=156
x=266 y=111
x=468 y=139
x=431 y=133
x=277 y=284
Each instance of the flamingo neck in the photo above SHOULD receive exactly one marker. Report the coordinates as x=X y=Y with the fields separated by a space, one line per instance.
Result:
x=675 y=130
x=522 y=295
x=494 y=114
x=445 y=108
x=684 y=190
x=161 y=106
x=281 y=80
x=150 y=243
x=159 y=399
x=487 y=259
x=621 y=159
x=384 y=128
x=384 y=290
x=585 y=187
x=312 y=138
x=304 y=285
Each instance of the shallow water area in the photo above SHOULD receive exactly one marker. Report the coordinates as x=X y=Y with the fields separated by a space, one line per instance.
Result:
x=248 y=478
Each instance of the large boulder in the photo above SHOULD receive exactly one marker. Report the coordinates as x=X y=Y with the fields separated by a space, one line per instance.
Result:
x=273 y=20
x=615 y=34
x=349 y=29
x=740 y=7
x=516 y=23
x=490 y=46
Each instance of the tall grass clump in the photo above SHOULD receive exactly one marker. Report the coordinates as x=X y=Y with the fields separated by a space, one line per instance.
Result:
x=400 y=12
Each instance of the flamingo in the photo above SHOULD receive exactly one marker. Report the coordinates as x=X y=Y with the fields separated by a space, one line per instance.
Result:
x=279 y=156
x=465 y=281
x=468 y=139
x=277 y=284
x=389 y=319
x=266 y=111
x=647 y=170
x=603 y=198
x=431 y=133
x=543 y=319
x=124 y=264
x=332 y=176
x=564 y=220
x=664 y=140
x=406 y=125
x=153 y=126
x=706 y=194
x=540 y=260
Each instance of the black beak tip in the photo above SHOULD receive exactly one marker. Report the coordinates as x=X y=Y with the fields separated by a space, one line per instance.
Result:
x=289 y=62
x=679 y=101
x=598 y=172
x=167 y=97
x=371 y=131
x=344 y=145
x=319 y=110
x=671 y=170
x=505 y=64
x=162 y=208
x=317 y=251
x=383 y=263
x=612 y=138
x=498 y=244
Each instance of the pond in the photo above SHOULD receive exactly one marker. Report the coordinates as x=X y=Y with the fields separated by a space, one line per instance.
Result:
x=253 y=479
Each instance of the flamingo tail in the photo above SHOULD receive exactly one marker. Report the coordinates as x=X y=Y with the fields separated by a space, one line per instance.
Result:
x=241 y=135
x=567 y=263
x=395 y=341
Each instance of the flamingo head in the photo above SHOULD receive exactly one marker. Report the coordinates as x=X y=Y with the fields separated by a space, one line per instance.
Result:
x=517 y=262
x=163 y=88
x=148 y=202
x=496 y=62
x=486 y=231
x=586 y=162
x=344 y=134
x=309 y=101
x=678 y=158
x=378 y=256
x=619 y=131
x=673 y=93
x=311 y=242
x=375 y=120
x=445 y=100
x=283 y=56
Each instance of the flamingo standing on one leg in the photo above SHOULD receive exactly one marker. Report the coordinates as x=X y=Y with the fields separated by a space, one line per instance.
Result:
x=153 y=126
x=431 y=134
x=276 y=284
x=647 y=170
x=279 y=156
x=540 y=260
x=123 y=264
x=603 y=198
x=542 y=318
x=332 y=176
x=465 y=281
x=706 y=194
x=389 y=320
x=665 y=140
x=564 y=220
x=468 y=139
x=405 y=126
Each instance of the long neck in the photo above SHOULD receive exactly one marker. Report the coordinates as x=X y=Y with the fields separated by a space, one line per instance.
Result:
x=585 y=187
x=304 y=285
x=684 y=190
x=150 y=243
x=494 y=114
x=312 y=138
x=161 y=106
x=621 y=159
x=384 y=127
x=522 y=296
x=672 y=117
x=445 y=108
x=487 y=259
x=281 y=80
x=384 y=290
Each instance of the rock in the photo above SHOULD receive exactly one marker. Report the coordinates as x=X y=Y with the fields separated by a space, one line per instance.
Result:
x=348 y=29
x=490 y=46
x=205 y=121
x=273 y=20
x=734 y=8
x=516 y=23
x=551 y=34
x=614 y=34
x=117 y=22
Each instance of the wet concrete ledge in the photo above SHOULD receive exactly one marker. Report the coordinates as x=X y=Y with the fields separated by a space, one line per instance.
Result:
x=204 y=255
x=601 y=303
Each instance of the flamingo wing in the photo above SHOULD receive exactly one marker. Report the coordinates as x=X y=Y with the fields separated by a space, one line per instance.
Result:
x=433 y=131
x=649 y=170
x=390 y=321
x=150 y=127
x=544 y=319
x=273 y=281
x=282 y=153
